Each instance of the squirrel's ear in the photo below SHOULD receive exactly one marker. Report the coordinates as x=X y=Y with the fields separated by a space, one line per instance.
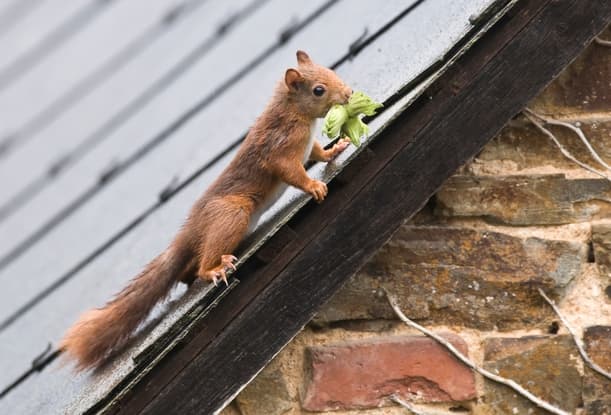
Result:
x=303 y=58
x=292 y=78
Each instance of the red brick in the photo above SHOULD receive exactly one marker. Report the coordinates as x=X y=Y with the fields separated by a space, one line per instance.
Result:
x=362 y=374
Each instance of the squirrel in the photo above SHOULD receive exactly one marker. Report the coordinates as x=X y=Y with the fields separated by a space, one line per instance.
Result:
x=271 y=157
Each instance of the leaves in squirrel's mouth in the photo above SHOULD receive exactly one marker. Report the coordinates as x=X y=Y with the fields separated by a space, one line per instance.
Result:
x=346 y=119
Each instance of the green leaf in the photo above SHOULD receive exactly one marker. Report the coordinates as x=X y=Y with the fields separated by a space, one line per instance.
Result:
x=359 y=103
x=346 y=118
x=335 y=118
x=354 y=129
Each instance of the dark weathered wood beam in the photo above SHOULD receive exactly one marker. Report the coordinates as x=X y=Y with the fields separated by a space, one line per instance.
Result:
x=324 y=245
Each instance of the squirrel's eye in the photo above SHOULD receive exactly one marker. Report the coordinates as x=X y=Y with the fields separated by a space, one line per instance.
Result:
x=318 y=91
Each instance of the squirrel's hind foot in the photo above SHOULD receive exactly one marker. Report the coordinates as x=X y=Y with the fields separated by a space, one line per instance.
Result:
x=220 y=272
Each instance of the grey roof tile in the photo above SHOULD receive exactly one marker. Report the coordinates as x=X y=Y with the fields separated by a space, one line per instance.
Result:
x=90 y=111
x=38 y=85
x=96 y=124
x=34 y=28
x=12 y=13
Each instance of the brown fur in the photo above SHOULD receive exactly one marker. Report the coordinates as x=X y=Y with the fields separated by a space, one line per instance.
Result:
x=273 y=152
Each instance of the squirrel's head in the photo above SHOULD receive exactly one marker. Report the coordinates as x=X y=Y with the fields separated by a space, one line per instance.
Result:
x=315 y=88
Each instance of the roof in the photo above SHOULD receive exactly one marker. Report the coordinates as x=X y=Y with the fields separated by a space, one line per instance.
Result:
x=119 y=115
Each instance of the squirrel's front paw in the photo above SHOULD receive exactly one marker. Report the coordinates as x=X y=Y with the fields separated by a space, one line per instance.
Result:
x=337 y=148
x=318 y=190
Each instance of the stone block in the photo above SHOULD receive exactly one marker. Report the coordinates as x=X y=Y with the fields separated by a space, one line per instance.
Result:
x=596 y=388
x=525 y=200
x=584 y=87
x=521 y=146
x=268 y=394
x=461 y=276
x=544 y=365
x=601 y=241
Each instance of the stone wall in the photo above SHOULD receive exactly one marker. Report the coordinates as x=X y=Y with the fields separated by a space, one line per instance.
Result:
x=519 y=217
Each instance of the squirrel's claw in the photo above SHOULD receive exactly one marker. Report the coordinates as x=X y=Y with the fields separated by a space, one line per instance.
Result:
x=227 y=261
x=337 y=149
x=318 y=190
x=220 y=272
x=223 y=277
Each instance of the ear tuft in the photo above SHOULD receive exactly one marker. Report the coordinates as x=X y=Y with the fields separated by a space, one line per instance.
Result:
x=292 y=78
x=303 y=58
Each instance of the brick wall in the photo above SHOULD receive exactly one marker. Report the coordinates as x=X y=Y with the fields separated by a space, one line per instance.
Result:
x=518 y=217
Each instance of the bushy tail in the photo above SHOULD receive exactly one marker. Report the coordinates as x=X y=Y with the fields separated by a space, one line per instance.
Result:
x=104 y=330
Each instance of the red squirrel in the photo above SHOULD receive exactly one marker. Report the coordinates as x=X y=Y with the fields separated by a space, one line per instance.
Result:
x=271 y=157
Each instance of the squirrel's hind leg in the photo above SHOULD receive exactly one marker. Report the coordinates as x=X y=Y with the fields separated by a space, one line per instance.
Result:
x=226 y=224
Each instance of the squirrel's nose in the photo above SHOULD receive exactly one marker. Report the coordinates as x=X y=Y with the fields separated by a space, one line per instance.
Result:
x=347 y=94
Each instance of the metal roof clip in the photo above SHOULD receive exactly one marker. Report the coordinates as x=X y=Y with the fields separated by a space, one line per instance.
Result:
x=356 y=46
x=109 y=172
x=169 y=189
